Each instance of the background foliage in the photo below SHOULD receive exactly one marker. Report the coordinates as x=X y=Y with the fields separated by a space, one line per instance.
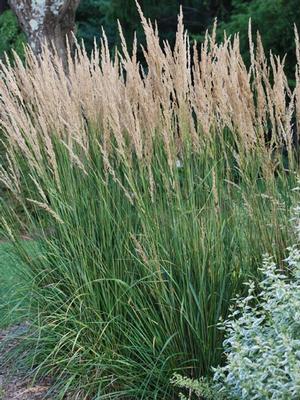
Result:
x=11 y=36
x=198 y=17
x=273 y=18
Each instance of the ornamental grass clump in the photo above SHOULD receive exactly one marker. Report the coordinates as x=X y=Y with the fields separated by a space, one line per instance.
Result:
x=152 y=191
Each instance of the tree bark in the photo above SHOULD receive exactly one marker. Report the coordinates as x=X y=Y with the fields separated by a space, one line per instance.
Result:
x=51 y=21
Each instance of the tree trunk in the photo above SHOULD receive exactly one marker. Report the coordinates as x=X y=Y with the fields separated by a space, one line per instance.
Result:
x=51 y=21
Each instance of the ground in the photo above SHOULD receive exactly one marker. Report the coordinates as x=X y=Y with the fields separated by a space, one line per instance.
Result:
x=13 y=384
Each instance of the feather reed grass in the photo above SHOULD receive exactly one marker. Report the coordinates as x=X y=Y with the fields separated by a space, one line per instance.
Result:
x=152 y=191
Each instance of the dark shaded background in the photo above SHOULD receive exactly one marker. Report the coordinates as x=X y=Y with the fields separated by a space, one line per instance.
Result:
x=273 y=18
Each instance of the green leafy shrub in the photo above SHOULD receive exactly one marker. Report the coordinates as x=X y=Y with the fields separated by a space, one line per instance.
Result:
x=11 y=36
